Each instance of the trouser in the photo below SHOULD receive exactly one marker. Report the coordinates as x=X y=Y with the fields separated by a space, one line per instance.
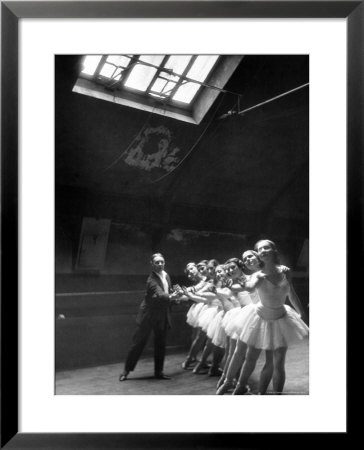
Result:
x=140 y=340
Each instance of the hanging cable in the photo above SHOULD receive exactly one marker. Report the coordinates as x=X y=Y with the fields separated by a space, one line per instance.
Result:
x=131 y=143
x=193 y=146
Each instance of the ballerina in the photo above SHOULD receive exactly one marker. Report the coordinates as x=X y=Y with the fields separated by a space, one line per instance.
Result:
x=233 y=324
x=215 y=330
x=211 y=308
x=202 y=267
x=270 y=324
x=252 y=264
x=239 y=299
x=199 y=338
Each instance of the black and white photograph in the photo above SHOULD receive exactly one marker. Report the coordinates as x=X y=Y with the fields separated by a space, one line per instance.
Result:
x=181 y=224
x=181 y=190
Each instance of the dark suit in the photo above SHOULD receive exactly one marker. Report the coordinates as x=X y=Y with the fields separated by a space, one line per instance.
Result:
x=154 y=314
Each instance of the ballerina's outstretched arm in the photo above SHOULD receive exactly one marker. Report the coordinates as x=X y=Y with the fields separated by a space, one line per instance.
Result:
x=250 y=283
x=194 y=297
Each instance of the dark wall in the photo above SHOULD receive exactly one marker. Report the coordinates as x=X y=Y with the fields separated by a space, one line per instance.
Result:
x=246 y=164
x=97 y=329
x=95 y=312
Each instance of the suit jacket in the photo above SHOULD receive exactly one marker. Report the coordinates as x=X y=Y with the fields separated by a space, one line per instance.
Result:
x=155 y=308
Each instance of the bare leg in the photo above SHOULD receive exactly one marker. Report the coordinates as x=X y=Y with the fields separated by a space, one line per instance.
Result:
x=232 y=347
x=217 y=356
x=248 y=368
x=266 y=373
x=205 y=354
x=279 y=373
x=229 y=351
x=235 y=364
x=196 y=346
x=237 y=360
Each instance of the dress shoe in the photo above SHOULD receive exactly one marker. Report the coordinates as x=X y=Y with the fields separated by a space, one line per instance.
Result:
x=124 y=376
x=162 y=376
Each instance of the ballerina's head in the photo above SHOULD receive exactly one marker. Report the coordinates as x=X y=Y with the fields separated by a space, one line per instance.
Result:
x=267 y=251
x=251 y=260
x=234 y=268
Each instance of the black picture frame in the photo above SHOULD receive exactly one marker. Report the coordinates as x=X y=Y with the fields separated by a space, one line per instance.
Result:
x=11 y=12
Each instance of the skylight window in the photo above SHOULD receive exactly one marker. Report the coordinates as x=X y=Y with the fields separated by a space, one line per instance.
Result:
x=181 y=86
x=142 y=74
x=114 y=66
x=198 y=71
x=174 y=77
x=90 y=64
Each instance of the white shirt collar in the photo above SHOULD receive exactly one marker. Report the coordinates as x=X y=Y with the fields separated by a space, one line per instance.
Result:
x=163 y=277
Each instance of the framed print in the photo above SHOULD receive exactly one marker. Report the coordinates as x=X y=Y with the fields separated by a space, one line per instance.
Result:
x=104 y=173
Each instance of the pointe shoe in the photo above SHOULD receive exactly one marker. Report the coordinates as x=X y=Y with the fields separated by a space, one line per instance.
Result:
x=200 y=369
x=186 y=365
x=124 y=376
x=225 y=387
x=241 y=390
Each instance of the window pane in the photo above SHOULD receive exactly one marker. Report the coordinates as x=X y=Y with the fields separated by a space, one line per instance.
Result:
x=161 y=85
x=90 y=64
x=141 y=75
x=167 y=89
x=201 y=67
x=168 y=76
x=178 y=63
x=117 y=74
x=158 y=85
x=186 y=92
x=119 y=60
x=107 y=70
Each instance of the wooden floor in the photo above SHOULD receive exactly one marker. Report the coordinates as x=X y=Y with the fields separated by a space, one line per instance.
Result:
x=104 y=380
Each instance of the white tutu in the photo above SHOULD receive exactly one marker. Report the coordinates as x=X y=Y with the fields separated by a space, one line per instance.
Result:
x=271 y=328
x=217 y=332
x=228 y=321
x=193 y=313
x=244 y=298
x=234 y=324
x=206 y=316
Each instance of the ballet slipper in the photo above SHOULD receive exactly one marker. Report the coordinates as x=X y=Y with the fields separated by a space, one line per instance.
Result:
x=241 y=390
x=186 y=365
x=200 y=369
x=225 y=387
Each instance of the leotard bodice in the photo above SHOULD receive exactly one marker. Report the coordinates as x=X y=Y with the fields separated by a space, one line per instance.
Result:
x=273 y=295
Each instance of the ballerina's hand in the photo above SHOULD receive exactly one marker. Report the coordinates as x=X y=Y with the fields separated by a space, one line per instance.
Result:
x=261 y=275
x=285 y=269
x=185 y=291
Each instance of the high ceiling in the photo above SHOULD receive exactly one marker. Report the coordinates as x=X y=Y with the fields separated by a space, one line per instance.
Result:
x=245 y=168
